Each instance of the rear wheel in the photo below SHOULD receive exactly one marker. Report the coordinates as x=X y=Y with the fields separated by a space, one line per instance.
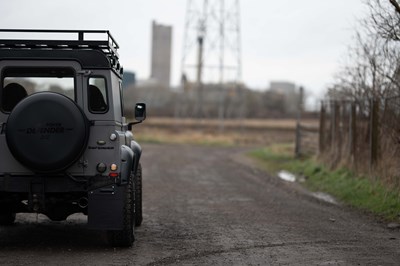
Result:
x=138 y=196
x=7 y=218
x=125 y=237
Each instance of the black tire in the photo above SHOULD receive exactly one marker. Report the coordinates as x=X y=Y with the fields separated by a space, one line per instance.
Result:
x=126 y=236
x=7 y=219
x=138 y=196
x=47 y=132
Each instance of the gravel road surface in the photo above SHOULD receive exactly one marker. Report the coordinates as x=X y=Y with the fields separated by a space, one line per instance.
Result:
x=211 y=206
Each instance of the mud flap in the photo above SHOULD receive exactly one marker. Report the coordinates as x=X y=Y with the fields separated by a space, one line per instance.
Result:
x=105 y=209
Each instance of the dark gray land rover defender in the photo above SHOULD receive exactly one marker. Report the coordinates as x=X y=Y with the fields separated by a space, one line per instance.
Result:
x=65 y=145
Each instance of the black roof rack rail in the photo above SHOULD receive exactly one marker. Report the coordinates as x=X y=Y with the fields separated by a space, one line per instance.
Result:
x=61 y=39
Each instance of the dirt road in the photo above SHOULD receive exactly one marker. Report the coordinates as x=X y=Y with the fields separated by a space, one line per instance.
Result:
x=203 y=207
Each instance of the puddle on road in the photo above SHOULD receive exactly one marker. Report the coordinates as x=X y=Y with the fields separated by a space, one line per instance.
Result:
x=287 y=176
x=325 y=197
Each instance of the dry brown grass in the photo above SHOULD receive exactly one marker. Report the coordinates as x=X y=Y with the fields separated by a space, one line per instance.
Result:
x=209 y=132
x=248 y=124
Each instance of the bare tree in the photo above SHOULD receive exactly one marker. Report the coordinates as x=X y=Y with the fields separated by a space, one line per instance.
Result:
x=364 y=74
x=385 y=18
x=372 y=69
x=396 y=5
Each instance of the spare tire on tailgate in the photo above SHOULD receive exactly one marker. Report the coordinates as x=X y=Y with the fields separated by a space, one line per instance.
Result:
x=47 y=132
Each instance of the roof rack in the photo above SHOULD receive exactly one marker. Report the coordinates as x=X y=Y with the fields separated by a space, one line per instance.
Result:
x=61 y=39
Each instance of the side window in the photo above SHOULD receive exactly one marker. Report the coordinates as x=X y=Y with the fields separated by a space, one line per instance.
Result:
x=97 y=95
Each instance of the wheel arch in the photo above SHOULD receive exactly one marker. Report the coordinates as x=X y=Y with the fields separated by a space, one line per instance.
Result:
x=127 y=158
x=137 y=152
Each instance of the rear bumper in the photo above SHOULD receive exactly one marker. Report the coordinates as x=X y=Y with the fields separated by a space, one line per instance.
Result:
x=105 y=198
x=53 y=184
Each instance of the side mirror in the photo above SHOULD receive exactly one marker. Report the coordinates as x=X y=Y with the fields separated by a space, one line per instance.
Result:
x=140 y=112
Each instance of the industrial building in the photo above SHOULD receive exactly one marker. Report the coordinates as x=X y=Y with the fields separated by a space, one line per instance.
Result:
x=161 y=54
x=290 y=93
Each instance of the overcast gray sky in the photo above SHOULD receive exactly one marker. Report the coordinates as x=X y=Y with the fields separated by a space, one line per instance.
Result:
x=299 y=41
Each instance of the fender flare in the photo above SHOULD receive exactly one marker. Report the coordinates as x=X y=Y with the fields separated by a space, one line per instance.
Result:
x=127 y=158
x=137 y=152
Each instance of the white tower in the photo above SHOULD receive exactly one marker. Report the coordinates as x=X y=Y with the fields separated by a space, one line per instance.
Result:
x=161 y=54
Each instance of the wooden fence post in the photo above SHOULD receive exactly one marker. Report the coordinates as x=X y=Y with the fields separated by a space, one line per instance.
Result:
x=335 y=128
x=322 y=129
x=353 y=133
x=297 y=148
x=298 y=124
x=333 y=124
x=339 y=137
x=374 y=145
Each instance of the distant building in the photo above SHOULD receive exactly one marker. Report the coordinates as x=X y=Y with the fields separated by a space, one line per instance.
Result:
x=161 y=54
x=129 y=79
x=290 y=94
x=283 y=87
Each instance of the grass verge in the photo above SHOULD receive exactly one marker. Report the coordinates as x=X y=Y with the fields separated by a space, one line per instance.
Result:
x=357 y=191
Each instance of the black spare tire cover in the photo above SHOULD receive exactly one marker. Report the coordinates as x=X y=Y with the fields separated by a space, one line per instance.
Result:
x=47 y=132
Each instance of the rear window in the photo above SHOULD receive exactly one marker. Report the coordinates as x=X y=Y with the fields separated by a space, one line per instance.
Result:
x=17 y=83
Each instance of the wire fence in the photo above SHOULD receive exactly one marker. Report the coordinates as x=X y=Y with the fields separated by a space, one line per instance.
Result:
x=363 y=135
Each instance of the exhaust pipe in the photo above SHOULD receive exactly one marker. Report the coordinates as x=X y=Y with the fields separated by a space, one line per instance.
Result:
x=83 y=202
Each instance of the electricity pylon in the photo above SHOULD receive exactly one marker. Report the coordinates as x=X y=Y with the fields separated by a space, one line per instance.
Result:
x=212 y=47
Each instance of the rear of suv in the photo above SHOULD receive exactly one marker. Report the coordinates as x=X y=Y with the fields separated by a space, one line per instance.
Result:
x=65 y=145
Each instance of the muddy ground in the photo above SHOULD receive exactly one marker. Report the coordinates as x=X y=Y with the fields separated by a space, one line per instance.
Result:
x=211 y=206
